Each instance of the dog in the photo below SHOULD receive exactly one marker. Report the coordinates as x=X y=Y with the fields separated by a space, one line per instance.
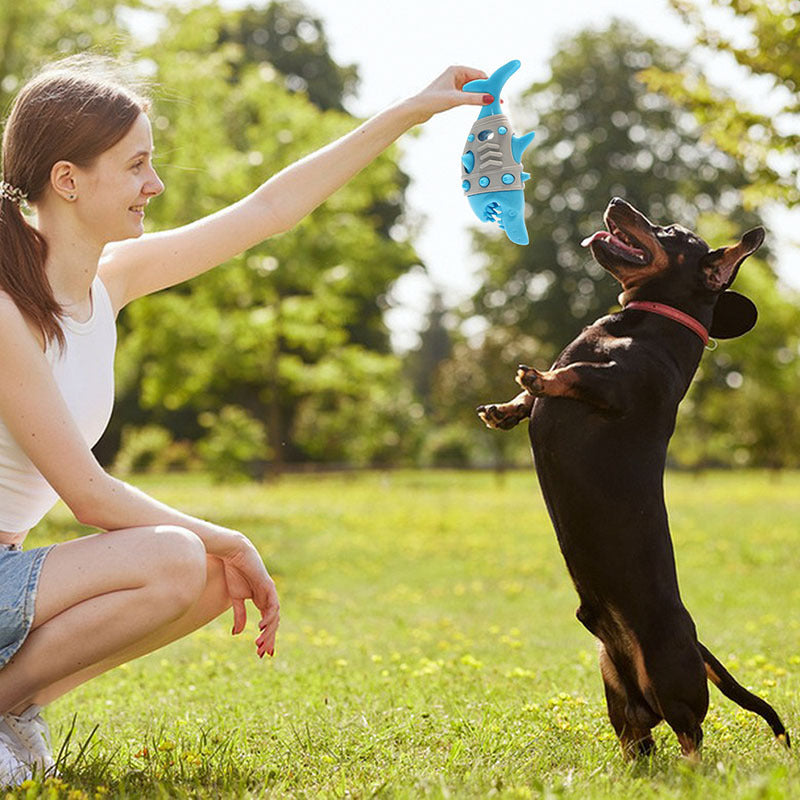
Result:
x=600 y=421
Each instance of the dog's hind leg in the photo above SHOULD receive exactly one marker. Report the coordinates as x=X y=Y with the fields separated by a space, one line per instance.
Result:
x=680 y=687
x=634 y=733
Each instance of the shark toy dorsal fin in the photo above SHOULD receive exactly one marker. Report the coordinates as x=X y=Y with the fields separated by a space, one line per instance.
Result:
x=492 y=85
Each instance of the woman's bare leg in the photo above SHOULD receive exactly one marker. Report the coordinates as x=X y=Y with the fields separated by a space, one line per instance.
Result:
x=213 y=602
x=99 y=596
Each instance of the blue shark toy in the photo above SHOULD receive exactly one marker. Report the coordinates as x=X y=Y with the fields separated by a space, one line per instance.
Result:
x=491 y=168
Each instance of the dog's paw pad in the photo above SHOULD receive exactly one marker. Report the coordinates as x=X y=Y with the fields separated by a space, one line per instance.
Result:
x=487 y=414
x=529 y=378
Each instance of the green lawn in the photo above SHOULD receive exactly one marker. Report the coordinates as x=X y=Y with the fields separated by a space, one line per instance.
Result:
x=429 y=648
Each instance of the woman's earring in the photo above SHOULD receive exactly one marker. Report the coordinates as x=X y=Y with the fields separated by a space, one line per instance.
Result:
x=72 y=197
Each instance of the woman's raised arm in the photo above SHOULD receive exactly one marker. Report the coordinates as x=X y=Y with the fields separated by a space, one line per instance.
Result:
x=136 y=267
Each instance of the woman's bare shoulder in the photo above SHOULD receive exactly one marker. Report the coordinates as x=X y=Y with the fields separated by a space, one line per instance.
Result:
x=14 y=325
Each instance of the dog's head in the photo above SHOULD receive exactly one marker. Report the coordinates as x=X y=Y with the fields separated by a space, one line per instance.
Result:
x=676 y=261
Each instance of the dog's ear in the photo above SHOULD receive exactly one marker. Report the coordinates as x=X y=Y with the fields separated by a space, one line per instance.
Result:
x=734 y=315
x=720 y=266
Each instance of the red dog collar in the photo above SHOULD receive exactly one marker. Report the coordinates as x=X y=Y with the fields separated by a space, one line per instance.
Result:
x=671 y=313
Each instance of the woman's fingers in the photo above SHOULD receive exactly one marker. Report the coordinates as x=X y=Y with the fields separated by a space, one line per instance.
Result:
x=265 y=643
x=445 y=92
x=270 y=619
x=239 y=615
x=456 y=77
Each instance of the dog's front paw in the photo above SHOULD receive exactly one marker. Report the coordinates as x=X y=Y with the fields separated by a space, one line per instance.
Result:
x=504 y=416
x=530 y=379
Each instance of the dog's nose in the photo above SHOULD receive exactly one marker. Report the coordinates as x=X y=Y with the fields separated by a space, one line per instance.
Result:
x=618 y=204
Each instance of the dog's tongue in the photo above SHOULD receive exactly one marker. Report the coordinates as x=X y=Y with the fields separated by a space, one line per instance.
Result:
x=594 y=237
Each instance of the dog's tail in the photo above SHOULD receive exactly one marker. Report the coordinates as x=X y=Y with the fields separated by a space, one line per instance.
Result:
x=728 y=685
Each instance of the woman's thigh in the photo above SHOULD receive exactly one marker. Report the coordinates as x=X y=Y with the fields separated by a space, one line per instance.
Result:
x=94 y=565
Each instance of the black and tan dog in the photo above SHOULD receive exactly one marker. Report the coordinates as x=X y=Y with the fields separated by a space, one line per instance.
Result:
x=600 y=421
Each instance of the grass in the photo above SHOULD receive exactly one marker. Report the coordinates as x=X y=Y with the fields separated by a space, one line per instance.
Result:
x=428 y=648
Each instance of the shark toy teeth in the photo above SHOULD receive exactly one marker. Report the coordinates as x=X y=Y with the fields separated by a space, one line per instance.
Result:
x=491 y=165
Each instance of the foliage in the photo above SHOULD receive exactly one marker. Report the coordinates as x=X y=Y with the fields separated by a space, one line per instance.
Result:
x=291 y=316
x=235 y=441
x=358 y=410
x=435 y=346
x=428 y=648
x=293 y=41
x=741 y=409
x=150 y=448
x=478 y=373
x=39 y=31
x=764 y=140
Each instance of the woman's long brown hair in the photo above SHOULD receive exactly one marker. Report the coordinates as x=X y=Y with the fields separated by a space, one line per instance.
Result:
x=73 y=110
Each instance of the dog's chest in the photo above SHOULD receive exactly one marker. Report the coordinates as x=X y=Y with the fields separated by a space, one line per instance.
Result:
x=596 y=344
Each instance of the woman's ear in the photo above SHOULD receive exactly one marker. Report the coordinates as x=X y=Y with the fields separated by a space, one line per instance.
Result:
x=734 y=315
x=62 y=180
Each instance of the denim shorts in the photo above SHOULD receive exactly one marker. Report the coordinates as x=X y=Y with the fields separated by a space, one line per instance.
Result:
x=19 y=580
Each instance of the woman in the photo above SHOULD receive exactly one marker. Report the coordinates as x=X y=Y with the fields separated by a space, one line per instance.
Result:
x=78 y=149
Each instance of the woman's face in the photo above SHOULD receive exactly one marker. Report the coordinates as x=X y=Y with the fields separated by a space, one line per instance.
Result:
x=113 y=192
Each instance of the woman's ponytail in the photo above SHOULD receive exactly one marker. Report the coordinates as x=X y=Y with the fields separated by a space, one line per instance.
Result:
x=23 y=253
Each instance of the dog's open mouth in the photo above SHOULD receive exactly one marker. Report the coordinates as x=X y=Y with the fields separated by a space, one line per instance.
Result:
x=619 y=243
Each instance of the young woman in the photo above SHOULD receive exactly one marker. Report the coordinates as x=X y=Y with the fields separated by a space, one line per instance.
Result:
x=77 y=148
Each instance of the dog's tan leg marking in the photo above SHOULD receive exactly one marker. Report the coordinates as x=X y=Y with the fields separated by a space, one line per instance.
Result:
x=689 y=749
x=580 y=381
x=503 y=416
x=634 y=740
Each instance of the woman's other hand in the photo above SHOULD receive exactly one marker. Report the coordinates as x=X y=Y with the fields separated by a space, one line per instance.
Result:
x=247 y=579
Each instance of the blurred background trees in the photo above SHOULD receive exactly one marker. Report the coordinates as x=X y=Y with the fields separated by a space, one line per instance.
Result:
x=766 y=138
x=756 y=423
x=283 y=357
x=292 y=330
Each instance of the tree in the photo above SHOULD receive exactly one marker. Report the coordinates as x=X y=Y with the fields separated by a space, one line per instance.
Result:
x=600 y=133
x=765 y=143
x=289 y=46
x=435 y=346
x=480 y=371
x=293 y=41
x=261 y=345
x=39 y=31
x=741 y=407
x=292 y=320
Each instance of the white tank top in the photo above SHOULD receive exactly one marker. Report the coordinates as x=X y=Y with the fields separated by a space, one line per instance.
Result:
x=84 y=372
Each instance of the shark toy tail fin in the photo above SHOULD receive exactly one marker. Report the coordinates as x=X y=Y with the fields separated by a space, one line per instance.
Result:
x=492 y=85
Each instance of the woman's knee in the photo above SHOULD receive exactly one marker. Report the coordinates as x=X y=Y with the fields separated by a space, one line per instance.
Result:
x=180 y=563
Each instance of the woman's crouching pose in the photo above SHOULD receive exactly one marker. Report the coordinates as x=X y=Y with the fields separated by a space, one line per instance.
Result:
x=77 y=148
